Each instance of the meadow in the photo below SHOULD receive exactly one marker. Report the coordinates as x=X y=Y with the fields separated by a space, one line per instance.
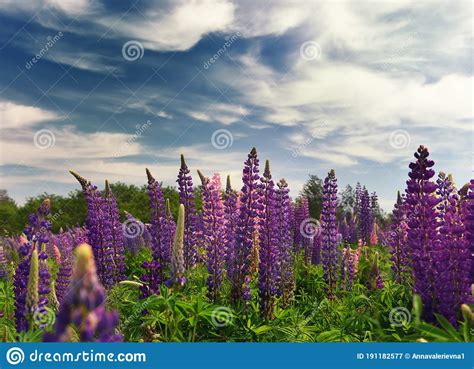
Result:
x=208 y=262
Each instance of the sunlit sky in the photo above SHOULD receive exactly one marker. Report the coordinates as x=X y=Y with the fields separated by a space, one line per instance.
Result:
x=108 y=88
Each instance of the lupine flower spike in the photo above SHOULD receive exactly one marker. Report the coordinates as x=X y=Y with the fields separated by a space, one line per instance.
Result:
x=82 y=315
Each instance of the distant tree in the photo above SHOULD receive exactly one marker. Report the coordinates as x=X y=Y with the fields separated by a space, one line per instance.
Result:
x=313 y=191
x=347 y=202
x=9 y=218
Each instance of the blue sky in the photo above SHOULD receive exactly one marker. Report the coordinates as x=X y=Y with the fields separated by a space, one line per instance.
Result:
x=108 y=88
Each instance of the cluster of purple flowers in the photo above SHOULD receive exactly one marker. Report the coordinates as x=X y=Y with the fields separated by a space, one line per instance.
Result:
x=246 y=226
x=37 y=234
x=329 y=233
x=400 y=255
x=437 y=239
x=214 y=232
x=284 y=223
x=104 y=232
x=269 y=255
x=160 y=239
x=186 y=197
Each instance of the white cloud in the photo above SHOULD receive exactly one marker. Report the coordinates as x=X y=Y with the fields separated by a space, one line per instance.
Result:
x=225 y=114
x=178 y=28
x=19 y=116
x=69 y=7
x=84 y=61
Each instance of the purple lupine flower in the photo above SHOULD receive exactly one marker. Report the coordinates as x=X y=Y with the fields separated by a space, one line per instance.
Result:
x=246 y=225
x=357 y=211
x=469 y=224
x=307 y=229
x=65 y=241
x=348 y=267
x=453 y=256
x=154 y=269
x=422 y=228
x=214 y=233
x=83 y=307
x=284 y=237
x=380 y=285
x=350 y=272
x=329 y=236
x=44 y=278
x=79 y=236
x=112 y=212
x=37 y=233
x=365 y=218
x=269 y=266
x=186 y=197
x=63 y=278
x=99 y=231
x=231 y=219
x=401 y=258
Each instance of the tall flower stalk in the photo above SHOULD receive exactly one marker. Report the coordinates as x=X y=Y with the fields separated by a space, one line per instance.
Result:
x=154 y=268
x=214 y=233
x=246 y=225
x=468 y=212
x=113 y=216
x=365 y=217
x=37 y=234
x=186 y=197
x=329 y=233
x=231 y=219
x=454 y=262
x=32 y=295
x=99 y=231
x=401 y=259
x=269 y=266
x=284 y=238
x=422 y=228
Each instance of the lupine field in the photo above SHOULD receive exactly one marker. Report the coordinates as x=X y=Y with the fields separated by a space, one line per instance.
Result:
x=247 y=264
